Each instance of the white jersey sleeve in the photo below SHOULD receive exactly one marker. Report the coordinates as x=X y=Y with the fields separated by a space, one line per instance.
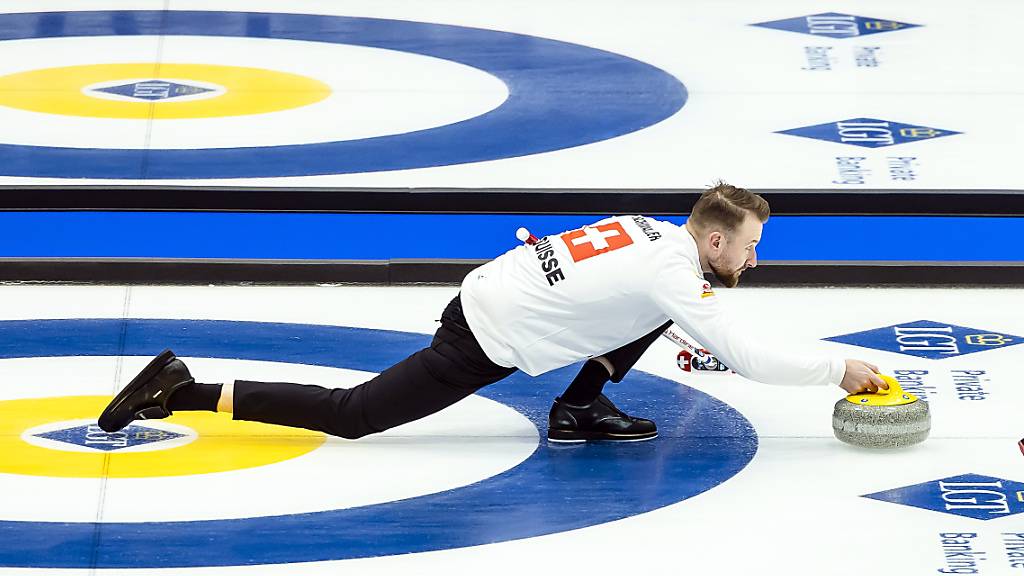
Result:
x=688 y=300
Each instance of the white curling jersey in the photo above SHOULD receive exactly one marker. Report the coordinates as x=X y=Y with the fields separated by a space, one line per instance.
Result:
x=583 y=293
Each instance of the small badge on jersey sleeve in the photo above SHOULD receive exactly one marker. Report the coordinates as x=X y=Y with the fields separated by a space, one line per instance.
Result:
x=700 y=361
x=694 y=358
x=706 y=290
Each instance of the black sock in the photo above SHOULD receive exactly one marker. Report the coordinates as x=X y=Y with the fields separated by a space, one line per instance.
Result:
x=587 y=385
x=195 y=396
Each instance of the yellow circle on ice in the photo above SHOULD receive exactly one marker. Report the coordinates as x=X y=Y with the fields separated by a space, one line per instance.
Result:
x=158 y=91
x=217 y=443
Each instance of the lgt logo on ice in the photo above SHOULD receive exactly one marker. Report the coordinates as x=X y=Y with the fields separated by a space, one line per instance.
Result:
x=836 y=25
x=970 y=495
x=928 y=339
x=92 y=436
x=868 y=132
x=153 y=90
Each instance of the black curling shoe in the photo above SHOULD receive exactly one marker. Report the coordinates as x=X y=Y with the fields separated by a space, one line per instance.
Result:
x=145 y=397
x=599 y=420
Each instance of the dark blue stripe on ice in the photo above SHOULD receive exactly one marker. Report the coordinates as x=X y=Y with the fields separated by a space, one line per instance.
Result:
x=396 y=236
x=560 y=95
x=703 y=443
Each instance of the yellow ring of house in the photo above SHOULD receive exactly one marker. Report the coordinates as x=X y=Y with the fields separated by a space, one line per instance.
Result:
x=243 y=91
x=222 y=443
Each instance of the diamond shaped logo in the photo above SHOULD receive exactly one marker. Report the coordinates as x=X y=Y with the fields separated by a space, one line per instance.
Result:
x=928 y=339
x=836 y=25
x=868 y=132
x=969 y=495
x=151 y=90
x=92 y=436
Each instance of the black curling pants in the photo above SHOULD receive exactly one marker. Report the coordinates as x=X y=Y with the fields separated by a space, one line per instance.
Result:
x=451 y=368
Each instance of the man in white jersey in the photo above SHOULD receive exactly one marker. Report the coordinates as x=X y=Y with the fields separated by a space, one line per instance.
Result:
x=601 y=294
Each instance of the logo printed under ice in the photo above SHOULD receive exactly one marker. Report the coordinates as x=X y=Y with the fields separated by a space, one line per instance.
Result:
x=154 y=90
x=970 y=495
x=92 y=437
x=928 y=339
x=868 y=132
x=836 y=25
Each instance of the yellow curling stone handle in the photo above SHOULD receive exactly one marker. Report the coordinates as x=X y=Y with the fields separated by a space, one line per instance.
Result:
x=894 y=396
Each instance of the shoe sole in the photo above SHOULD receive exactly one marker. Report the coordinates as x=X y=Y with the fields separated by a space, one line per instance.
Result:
x=567 y=437
x=152 y=369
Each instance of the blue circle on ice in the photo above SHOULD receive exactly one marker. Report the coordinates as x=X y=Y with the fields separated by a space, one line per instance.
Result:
x=703 y=442
x=561 y=95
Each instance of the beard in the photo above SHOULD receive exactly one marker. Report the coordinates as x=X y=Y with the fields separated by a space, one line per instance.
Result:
x=728 y=279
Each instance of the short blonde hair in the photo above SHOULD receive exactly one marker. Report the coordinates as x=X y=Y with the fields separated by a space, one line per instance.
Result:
x=726 y=206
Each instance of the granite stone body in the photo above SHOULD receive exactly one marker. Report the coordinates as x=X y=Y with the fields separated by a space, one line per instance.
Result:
x=881 y=426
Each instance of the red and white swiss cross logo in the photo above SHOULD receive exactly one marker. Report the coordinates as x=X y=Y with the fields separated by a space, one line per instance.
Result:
x=593 y=240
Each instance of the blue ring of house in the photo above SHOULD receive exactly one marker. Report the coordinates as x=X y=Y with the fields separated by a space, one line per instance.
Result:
x=703 y=442
x=561 y=95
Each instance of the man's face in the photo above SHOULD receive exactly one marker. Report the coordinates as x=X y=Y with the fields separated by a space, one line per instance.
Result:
x=732 y=253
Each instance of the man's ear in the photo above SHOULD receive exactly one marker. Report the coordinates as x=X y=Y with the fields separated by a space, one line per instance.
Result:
x=715 y=240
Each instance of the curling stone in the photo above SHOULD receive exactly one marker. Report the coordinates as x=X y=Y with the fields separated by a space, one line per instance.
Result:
x=887 y=419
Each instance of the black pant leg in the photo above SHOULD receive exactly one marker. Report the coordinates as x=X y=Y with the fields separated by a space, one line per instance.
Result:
x=402 y=393
x=623 y=359
x=434 y=378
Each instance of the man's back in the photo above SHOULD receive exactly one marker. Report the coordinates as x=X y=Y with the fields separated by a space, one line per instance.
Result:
x=577 y=294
